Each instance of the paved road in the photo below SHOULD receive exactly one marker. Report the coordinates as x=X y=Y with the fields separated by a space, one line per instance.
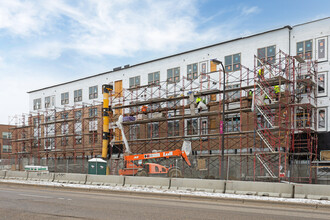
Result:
x=26 y=202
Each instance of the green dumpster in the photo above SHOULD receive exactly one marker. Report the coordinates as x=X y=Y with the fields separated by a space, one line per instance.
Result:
x=97 y=166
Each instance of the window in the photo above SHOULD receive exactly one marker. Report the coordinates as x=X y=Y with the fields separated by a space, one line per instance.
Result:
x=6 y=138
x=133 y=110
x=153 y=78
x=36 y=122
x=304 y=49
x=155 y=106
x=6 y=148
x=153 y=130
x=36 y=104
x=192 y=71
x=203 y=69
x=232 y=123
x=134 y=81
x=78 y=95
x=233 y=95
x=266 y=55
x=78 y=139
x=77 y=115
x=93 y=112
x=321 y=49
x=49 y=144
x=49 y=101
x=65 y=128
x=50 y=118
x=322 y=84
x=192 y=126
x=302 y=118
x=173 y=128
x=196 y=126
x=64 y=141
x=64 y=115
x=92 y=125
x=204 y=126
x=6 y=135
x=64 y=98
x=321 y=121
x=173 y=75
x=93 y=92
x=174 y=103
x=134 y=132
x=233 y=62
x=93 y=138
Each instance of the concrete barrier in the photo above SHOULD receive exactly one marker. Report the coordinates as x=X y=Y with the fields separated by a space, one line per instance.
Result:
x=312 y=191
x=106 y=180
x=260 y=189
x=2 y=174
x=70 y=178
x=16 y=175
x=150 y=182
x=217 y=186
x=41 y=176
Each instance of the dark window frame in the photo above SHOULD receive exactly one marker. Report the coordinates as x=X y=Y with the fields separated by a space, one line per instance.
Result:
x=230 y=64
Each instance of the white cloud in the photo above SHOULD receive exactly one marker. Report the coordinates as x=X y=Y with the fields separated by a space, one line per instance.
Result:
x=104 y=27
x=48 y=29
x=250 y=10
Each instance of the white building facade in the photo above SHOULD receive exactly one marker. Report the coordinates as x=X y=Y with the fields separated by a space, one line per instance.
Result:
x=309 y=40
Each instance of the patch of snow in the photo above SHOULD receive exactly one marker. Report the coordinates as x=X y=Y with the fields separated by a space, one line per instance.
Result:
x=169 y=191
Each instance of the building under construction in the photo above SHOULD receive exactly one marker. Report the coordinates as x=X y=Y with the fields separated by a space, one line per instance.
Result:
x=272 y=87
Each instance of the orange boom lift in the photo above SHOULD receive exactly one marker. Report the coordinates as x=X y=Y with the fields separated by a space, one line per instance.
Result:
x=141 y=165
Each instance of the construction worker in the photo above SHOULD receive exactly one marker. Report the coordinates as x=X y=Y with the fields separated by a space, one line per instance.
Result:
x=144 y=109
x=277 y=91
x=266 y=98
x=201 y=104
x=198 y=100
x=261 y=73
x=250 y=93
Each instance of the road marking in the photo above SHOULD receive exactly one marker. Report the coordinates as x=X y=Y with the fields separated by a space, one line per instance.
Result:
x=60 y=198
x=46 y=197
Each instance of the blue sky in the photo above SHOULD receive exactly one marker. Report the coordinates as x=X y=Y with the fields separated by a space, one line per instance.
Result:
x=48 y=42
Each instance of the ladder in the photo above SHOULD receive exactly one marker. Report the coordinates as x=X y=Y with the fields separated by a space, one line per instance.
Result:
x=265 y=116
x=266 y=92
x=271 y=173
x=266 y=141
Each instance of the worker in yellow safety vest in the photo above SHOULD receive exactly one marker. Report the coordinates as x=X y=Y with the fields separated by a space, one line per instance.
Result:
x=261 y=73
x=198 y=100
x=277 y=89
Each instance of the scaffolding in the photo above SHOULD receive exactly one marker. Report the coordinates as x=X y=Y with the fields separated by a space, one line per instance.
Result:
x=55 y=135
x=269 y=125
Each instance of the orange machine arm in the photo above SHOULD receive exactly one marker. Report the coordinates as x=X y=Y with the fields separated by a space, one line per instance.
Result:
x=166 y=154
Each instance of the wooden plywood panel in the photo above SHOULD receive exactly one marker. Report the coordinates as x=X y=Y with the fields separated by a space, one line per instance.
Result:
x=119 y=88
x=213 y=66
x=325 y=155
x=118 y=136
x=118 y=111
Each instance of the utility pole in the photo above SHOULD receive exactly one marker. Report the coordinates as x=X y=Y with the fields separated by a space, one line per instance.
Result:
x=222 y=123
